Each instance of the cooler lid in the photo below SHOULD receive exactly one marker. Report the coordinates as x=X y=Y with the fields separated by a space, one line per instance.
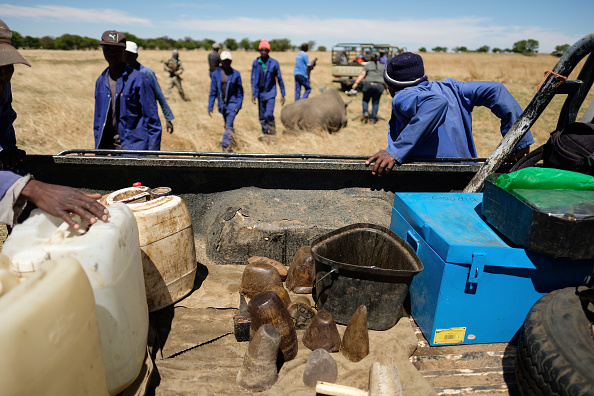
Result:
x=451 y=225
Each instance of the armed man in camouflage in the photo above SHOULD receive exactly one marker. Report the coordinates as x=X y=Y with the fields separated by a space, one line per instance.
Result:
x=174 y=67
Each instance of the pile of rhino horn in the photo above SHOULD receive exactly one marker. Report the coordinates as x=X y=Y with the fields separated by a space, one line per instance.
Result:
x=273 y=319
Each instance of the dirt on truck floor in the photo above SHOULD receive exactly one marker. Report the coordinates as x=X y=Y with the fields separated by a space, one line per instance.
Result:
x=195 y=351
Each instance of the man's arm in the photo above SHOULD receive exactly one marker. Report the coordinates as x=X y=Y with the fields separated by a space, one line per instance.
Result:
x=281 y=83
x=255 y=80
x=310 y=66
x=239 y=90
x=213 y=91
x=179 y=69
x=150 y=112
x=56 y=200
x=159 y=95
x=60 y=201
x=500 y=101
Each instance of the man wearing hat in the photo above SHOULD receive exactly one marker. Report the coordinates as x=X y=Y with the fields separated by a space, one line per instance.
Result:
x=265 y=73
x=174 y=67
x=214 y=59
x=131 y=58
x=126 y=113
x=227 y=89
x=15 y=189
x=433 y=119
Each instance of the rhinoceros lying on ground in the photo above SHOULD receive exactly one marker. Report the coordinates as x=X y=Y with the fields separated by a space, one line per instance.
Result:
x=326 y=111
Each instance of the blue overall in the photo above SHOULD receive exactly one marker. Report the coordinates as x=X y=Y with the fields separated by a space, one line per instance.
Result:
x=229 y=102
x=264 y=89
x=138 y=121
x=433 y=119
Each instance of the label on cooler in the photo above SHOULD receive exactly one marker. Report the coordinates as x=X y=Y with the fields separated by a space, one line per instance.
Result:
x=449 y=336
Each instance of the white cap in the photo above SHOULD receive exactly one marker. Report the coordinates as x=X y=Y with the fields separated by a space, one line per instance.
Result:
x=131 y=47
x=226 y=55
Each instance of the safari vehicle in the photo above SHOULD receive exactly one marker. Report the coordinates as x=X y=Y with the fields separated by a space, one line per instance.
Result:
x=349 y=58
x=272 y=204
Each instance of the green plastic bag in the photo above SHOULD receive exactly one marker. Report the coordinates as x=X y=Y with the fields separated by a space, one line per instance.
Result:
x=535 y=178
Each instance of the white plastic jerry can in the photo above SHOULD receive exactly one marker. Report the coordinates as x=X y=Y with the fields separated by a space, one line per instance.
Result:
x=167 y=244
x=49 y=336
x=109 y=253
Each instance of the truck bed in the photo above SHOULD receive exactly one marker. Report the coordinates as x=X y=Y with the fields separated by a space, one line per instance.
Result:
x=282 y=202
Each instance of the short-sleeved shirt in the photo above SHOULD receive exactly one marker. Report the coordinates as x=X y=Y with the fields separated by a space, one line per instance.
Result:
x=374 y=72
x=301 y=63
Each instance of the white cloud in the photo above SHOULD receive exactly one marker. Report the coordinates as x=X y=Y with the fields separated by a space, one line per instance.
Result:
x=469 y=31
x=71 y=14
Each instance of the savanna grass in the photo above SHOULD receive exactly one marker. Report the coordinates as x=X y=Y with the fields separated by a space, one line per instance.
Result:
x=54 y=101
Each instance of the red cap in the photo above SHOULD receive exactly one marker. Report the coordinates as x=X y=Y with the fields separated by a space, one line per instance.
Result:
x=137 y=184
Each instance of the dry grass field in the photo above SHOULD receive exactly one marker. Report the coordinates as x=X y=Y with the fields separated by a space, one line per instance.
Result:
x=54 y=101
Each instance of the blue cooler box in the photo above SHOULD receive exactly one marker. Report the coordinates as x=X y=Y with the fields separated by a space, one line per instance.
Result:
x=475 y=287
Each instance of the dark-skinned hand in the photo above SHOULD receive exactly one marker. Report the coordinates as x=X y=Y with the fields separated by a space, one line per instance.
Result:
x=60 y=201
x=169 y=127
x=384 y=163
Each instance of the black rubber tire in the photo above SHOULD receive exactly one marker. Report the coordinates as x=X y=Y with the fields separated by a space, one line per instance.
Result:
x=555 y=351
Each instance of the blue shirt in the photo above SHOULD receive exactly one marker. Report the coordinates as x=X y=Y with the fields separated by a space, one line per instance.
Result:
x=7 y=136
x=234 y=91
x=433 y=119
x=301 y=63
x=157 y=91
x=264 y=82
x=137 y=114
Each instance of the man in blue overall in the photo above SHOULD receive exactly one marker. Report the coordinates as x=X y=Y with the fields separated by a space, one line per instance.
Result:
x=434 y=119
x=126 y=113
x=265 y=73
x=227 y=89
x=131 y=58
x=15 y=189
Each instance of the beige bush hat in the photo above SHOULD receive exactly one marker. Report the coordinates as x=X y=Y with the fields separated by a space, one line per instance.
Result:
x=8 y=54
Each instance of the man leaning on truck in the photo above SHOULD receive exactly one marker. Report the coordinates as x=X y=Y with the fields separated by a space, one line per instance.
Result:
x=434 y=119
x=16 y=190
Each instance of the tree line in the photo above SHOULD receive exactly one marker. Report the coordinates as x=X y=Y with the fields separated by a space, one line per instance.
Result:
x=75 y=42
x=524 y=47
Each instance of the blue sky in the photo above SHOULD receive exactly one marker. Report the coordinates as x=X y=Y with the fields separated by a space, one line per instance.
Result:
x=410 y=24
